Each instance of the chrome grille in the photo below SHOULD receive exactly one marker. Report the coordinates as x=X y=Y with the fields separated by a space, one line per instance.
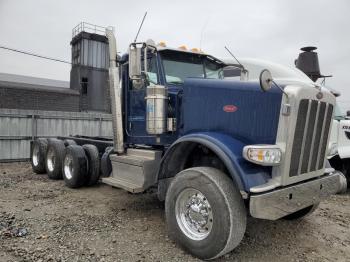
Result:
x=310 y=137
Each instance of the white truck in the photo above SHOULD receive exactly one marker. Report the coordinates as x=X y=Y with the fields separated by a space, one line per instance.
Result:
x=339 y=143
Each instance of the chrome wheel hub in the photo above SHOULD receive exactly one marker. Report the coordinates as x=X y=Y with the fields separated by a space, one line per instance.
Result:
x=68 y=167
x=194 y=214
x=51 y=160
x=35 y=156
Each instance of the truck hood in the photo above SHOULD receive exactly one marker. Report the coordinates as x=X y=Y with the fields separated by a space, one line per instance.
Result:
x=240 y=109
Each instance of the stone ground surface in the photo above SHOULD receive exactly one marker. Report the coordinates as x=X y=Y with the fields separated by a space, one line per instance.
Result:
x=102 y=223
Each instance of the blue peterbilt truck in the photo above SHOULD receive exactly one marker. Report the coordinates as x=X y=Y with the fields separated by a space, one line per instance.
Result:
x=217 y=150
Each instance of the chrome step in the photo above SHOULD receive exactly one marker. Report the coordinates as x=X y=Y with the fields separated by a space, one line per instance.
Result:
x=135 y=171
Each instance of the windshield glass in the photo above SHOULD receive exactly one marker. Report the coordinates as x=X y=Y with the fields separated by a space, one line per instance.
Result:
x=338 y=112
x=179 y=65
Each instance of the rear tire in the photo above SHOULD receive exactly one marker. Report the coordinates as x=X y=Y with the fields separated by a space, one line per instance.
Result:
x=74 y=168
x=38 y=155
x=300 y=214
x=54 y=158
x=93 y=157
x=69 y=142
x=205 y=212
x=106 y=165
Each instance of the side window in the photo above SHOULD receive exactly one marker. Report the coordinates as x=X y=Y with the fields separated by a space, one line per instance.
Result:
x=152 y=73
x=213 y=70
x=152 y=70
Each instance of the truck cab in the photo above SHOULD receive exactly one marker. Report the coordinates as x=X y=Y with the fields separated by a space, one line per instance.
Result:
x=171 y=68
x=216 y=150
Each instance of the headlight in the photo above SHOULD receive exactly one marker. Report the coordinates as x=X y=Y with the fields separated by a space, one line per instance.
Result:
x=266 y=155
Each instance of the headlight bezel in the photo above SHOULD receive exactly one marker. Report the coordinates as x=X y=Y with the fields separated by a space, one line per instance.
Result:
x=258 y=154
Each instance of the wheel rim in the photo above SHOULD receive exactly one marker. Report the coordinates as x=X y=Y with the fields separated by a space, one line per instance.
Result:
x=35 y=156
x=194 y=214
x=68 y=167
x=51 y=160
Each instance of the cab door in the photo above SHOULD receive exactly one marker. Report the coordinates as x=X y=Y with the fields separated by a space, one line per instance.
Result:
x=136 y=103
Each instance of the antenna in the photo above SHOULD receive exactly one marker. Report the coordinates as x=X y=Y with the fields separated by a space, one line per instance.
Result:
x=202 y=32
x=228 y=50
x=143 y=19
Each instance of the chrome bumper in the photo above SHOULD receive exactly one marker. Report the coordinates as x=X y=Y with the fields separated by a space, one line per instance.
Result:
x=281 y=202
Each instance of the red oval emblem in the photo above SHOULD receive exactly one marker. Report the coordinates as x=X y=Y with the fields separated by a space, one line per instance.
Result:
x=230 y=108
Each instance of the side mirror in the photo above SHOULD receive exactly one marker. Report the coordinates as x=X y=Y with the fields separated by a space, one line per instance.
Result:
x=134 y=62
x=348 y=113
x=265 y=80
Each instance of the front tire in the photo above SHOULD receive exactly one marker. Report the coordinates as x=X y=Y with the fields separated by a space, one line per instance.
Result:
x=205 y=212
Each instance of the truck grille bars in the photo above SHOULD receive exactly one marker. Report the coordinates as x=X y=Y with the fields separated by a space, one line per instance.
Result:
x=310 y=137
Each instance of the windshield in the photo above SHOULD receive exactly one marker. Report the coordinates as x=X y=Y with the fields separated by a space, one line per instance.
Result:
x=338 y=114
x=180 y=65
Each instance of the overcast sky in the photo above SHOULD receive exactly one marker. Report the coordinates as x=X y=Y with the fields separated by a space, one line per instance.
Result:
x=272 y=30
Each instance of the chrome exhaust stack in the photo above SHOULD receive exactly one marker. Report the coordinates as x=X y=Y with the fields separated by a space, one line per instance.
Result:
x=116 y=93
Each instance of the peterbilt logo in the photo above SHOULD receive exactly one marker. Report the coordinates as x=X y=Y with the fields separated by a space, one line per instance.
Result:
x=230 y=108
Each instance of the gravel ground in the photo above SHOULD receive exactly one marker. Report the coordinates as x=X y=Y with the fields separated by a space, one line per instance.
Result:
x=42 y=220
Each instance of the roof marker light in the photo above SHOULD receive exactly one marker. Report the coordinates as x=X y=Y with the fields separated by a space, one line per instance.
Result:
x=162 y=44
x=183 y=47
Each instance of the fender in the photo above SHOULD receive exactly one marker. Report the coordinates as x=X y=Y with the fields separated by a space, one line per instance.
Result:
x=229 y=150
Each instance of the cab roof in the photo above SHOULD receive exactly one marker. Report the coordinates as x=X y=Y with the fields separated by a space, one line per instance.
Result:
x=180 y=50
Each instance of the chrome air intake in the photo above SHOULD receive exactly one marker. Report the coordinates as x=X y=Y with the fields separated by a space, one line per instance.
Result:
x=310 y=137
x=303 y=135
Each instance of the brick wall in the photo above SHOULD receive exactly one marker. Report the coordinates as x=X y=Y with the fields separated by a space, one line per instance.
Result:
x=36 y=99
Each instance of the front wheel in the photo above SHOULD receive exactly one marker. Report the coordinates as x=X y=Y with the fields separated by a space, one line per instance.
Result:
x=205 y=212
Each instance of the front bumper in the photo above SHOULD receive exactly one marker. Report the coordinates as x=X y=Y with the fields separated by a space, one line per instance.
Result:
x=281 y=202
